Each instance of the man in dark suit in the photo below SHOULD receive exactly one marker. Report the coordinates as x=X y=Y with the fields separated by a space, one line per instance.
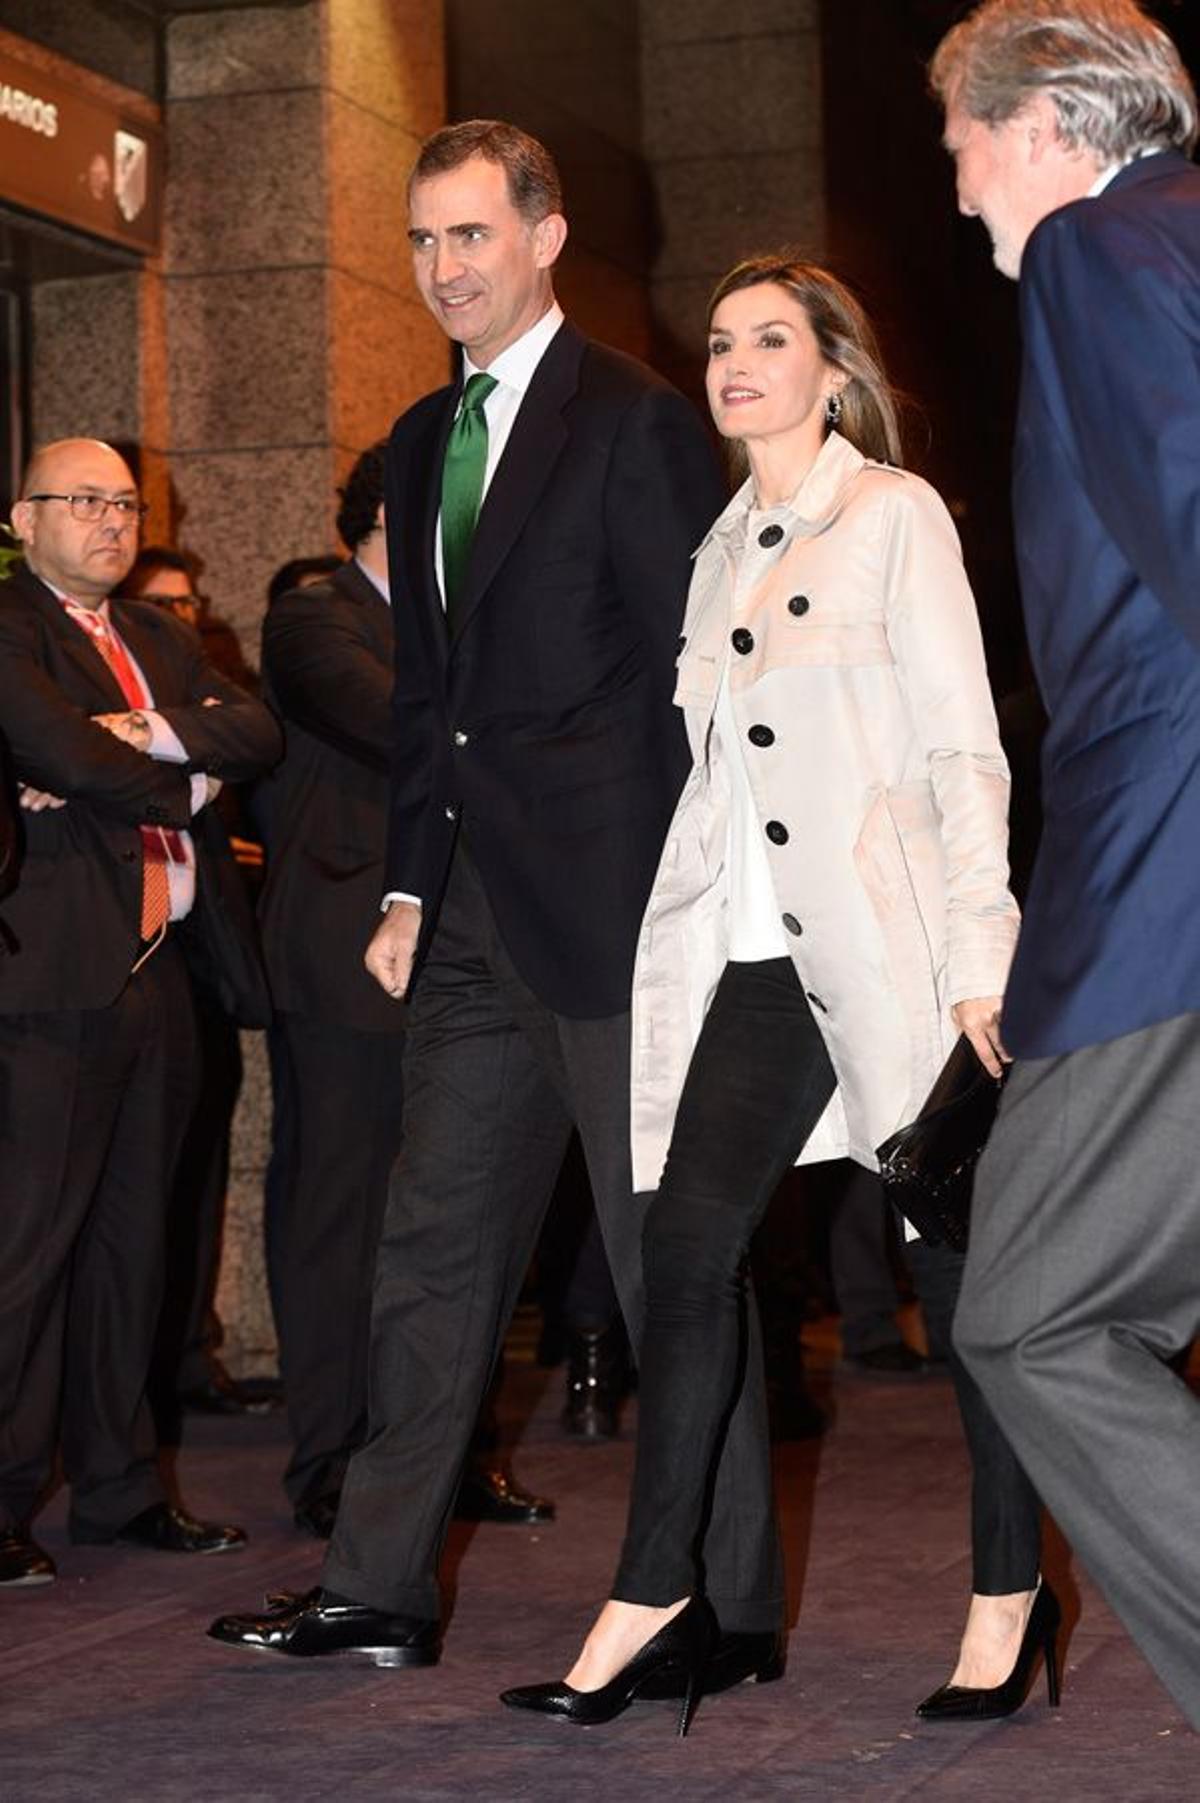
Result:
x=537 y=758
x=1070 y=126
x=119 y=733
x=10 y=836
x=188 y=1372
x=327 y=664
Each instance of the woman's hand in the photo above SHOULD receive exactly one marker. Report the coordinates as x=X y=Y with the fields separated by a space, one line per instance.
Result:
x=979 y=1019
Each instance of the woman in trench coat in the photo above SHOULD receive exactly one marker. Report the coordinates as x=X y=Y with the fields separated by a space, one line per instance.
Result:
x=830 y=912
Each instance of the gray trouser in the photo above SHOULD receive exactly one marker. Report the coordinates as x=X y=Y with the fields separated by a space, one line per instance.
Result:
x=1082 y=1277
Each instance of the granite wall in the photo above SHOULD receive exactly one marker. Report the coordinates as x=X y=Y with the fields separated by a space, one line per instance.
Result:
x=571 y=75
x=294 y=340
x=732 y=139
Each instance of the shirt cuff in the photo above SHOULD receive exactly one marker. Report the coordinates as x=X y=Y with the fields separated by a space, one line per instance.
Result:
x=165 y=742
x=199 y=784
x=398 y=895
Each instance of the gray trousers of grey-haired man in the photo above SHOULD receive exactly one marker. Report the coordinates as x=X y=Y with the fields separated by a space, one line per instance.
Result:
x=1082 y=1277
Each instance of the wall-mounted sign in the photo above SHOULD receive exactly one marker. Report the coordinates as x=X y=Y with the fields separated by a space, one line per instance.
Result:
x=78 y=159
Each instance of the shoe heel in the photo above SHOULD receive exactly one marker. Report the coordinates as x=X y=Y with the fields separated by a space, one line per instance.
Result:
x=691 y=1699
x=1052 y=1686
x=771 y=1671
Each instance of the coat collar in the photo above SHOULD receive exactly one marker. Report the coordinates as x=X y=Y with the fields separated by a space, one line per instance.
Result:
x=538 y=436
x=72 y=641
x=535 y=443
x=351 y=580
x=1148 y=168
x=815 y=504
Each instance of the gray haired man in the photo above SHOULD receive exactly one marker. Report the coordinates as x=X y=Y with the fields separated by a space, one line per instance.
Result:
x=1070 y=124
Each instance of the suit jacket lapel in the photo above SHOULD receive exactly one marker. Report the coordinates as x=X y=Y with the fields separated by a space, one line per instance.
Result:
x=425 y=488
x=150 y=646
x=353 y=582
x=72 y=641
x=534 y=446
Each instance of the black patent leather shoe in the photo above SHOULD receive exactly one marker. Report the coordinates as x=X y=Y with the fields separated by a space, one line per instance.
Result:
x=22 y=1560
x=965 y=1703
x=489 y=1494
x=315 y=1624
x=165 y=1529
x=682 y=1647
x=734 y=1659
x=317 y=1515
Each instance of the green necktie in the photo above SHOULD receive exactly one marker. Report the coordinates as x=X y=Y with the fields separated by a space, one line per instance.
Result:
x=462 y=488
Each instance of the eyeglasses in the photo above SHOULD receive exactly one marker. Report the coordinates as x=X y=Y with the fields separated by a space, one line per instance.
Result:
x=90 y=508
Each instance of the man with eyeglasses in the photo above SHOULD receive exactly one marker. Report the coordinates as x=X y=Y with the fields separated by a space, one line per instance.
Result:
x=120 y=733
x=168 y=578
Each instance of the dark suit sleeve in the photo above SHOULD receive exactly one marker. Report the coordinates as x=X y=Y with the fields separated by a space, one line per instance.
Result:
x=1112 y=327
x=235 y=741
x=55 y=746
x=326 y=675
x=664 y=491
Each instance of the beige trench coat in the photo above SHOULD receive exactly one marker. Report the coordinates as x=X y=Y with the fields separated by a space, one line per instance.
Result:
x=860 y=650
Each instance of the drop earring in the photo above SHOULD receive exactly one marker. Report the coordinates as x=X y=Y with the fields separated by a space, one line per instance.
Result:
x=833 y=410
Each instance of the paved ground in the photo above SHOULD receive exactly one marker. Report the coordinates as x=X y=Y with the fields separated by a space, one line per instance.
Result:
x=109 y=1688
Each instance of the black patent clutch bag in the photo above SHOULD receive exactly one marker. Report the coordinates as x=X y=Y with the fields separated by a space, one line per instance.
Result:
x=928 y=1168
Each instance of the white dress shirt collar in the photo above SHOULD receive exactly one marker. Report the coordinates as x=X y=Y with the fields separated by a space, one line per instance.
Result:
x=514 y=367
x=1114 y=169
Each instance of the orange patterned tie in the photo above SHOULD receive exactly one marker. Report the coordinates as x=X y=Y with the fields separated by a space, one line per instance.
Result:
x=159 y=848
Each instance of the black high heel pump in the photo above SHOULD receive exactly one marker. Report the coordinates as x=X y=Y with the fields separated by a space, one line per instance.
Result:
x=683 y=1646
x=964 y=1703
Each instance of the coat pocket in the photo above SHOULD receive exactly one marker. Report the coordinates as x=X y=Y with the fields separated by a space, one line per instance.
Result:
x=898 y=859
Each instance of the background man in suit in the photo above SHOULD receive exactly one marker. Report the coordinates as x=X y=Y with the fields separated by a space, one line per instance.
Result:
x=327 y=665
x=119 y=731
x=1069 y=124
x=188 y=1372
x=537 y=759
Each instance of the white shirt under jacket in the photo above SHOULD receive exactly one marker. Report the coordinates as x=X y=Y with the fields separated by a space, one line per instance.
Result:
x=858 y=646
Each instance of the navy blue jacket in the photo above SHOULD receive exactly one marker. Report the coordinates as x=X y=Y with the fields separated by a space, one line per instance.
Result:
x=1107 y=502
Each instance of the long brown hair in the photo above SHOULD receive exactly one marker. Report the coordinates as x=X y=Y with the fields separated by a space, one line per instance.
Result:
x=845 y=339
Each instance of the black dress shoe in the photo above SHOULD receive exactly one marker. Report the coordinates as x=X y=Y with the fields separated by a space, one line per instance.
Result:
x=895 y=1360
x=22 y=1560
x=681 y=1649
x=735 y=1658
x=597 y=1378
x=317 y=1515
x=315 y=1624
x=489 y=1494
x=164 y=1529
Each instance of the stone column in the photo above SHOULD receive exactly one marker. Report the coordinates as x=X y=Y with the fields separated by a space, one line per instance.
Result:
x=731 y=130
x=293 y=341
x=569 y=73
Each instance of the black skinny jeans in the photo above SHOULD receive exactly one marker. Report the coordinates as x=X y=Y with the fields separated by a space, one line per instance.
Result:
x=759 y=1080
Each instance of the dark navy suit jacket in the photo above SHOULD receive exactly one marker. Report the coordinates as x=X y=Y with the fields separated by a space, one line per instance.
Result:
x=1107 y=502
x=544 y=729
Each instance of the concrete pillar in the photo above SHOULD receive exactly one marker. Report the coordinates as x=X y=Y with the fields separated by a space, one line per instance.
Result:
x=293 y=340
x=731 y=130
